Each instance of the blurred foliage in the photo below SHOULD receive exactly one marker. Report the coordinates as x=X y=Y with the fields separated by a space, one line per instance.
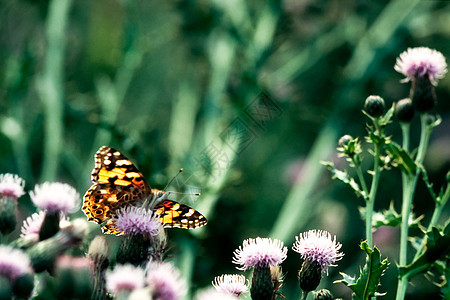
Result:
x=167 y=81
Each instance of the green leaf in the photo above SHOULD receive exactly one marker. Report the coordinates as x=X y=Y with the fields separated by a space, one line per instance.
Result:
x=391 y=218
x=401 y=157
x=366 y=285
x=437 y=246
x=386 y=119
x=344 y=177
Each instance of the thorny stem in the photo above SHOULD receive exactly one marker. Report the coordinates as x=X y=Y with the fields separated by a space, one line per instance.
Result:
x=409 y=186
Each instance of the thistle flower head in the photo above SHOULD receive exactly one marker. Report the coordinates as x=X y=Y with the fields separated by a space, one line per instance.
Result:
x=259 y=252
x=165 y=281
x=318 y=246
x=11 y=185
x=231 y=284
x=14 y=263
x=134 y=220
x=421 y=61
x=55 y=197
x=125 y=278
x=32 y=225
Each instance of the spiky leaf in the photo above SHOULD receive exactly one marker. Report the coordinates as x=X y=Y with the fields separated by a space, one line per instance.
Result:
x=366 y=285
x=437 y=246
x=401 y=157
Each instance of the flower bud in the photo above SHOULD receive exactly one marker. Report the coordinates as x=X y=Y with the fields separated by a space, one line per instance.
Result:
x=422 y=94
x=262 y=285
x=374 y=106
x=404 y=110
x=323 y=294
x=309 y=275
x=344 y=140
x=99 y=253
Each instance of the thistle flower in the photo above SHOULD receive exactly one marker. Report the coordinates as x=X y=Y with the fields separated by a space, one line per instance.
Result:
x=165 y=281
x=134 y=220
x=259 y=252
x=11 y=185
x=125 y=278
x=212 y=293
x=11 y=188
x=14 y=263
x=145 y=236
x=55 y=197
x=319 y=247
x=32 y=225
x=231 y=284
x=423 y=62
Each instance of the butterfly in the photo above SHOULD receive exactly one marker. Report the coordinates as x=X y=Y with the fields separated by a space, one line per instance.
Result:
x=117 y=183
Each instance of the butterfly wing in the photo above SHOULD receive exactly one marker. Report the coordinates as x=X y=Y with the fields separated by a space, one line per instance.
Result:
x=174 y=214
x=116 y=183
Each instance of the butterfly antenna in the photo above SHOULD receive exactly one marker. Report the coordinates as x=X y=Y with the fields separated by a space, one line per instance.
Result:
x=173 y=178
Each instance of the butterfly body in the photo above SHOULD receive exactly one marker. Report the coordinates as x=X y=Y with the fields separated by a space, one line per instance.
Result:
x=117 y=183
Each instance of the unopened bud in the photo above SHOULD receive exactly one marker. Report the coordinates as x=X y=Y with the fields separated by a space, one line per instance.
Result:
x=374 y=106
x=404 y=110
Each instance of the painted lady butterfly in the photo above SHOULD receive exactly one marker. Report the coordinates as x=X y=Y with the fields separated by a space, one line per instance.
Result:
x=118 y=183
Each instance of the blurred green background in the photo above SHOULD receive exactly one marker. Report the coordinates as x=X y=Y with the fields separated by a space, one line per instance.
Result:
x=247 y=96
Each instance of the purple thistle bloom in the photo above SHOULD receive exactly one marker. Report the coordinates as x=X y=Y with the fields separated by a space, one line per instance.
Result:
x=421 y=61
x=55 y=196
x=11 y=185
x=14 y=263
x=134 y=220
x=231 y=284
x=262 y=252
x=125 y=278
x=165 y=281
x=212 y=293
x=32 y=225
x=317 y=245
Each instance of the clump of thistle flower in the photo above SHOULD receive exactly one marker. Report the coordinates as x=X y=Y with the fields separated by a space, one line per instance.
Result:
x=124 y=279
x=260 y=253
x=15 y=272
x=31 y=226
x=72 y=277
x=319 y=251
x=11 y=188
x=423 y=67
x=55 y=199
x=165 y=282
x=145 y=237
x=232 y=284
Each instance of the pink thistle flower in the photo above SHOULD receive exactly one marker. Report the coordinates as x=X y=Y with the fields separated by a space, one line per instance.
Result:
x=318 y=246
x=421 y=61
x=165 y=281
x=261 y=252
x=231 y=284
x=14 y=263
x=134 y=220
x=32 y=225
x=212 y=293
x=125 y=278
x=11 y=185
x=54 y=197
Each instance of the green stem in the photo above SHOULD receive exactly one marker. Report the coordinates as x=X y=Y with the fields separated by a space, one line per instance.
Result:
x=51 y=85
x=360 y=175
x=304 y=295
x=373 y=188
x=409 y=185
